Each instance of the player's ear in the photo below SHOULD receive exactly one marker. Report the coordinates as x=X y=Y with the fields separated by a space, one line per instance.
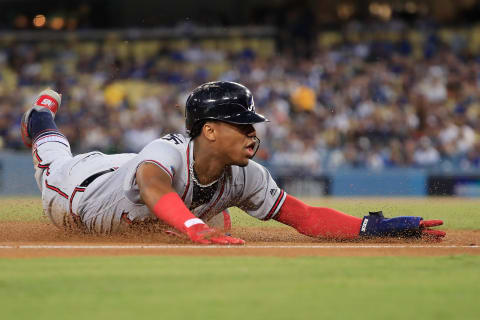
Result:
x=209 y=131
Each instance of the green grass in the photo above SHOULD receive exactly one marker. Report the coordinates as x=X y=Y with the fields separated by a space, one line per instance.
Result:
x=240 y=288
x=20 y=208
x=457 y=213
x=249 y=288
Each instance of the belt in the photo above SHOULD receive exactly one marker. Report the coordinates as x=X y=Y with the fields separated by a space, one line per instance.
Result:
x=94 y=176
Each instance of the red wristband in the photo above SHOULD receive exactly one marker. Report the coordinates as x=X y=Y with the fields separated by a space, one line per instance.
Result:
x=171 y=209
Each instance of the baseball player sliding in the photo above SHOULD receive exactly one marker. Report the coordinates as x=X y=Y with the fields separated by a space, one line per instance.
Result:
x=185 y=182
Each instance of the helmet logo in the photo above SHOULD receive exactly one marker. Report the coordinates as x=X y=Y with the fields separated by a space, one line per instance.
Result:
x=251 y=104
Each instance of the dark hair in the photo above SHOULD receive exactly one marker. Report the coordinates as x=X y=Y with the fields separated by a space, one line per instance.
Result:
x=197 y=128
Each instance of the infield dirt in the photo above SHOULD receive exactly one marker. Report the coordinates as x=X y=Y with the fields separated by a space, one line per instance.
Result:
x=270 y=241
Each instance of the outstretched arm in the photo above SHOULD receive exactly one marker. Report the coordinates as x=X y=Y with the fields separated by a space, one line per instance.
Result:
x=318 y=222
x=330 y=223
x=157 y=193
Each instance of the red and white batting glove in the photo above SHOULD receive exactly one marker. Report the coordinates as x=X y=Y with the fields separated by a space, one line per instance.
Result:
x=199 y=232
x=171 y=209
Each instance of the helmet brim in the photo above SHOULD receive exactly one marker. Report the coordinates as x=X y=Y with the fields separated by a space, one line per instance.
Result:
x=247 y=117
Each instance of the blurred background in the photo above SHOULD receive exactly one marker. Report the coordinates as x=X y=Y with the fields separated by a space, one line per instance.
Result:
x=365 y=98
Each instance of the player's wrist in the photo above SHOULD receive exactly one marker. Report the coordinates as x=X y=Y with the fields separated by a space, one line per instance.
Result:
x=192 y=222
x=171 y=209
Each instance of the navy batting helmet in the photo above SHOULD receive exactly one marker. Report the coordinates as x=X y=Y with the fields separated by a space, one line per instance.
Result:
x=220 y=100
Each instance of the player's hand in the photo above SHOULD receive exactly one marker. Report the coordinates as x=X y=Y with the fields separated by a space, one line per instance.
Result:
x=375 y=224
x=425 y=226
x=203 y=234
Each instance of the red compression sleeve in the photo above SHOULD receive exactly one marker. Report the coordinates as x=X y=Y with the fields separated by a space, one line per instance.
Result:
x=171 y=209
x=318 y=222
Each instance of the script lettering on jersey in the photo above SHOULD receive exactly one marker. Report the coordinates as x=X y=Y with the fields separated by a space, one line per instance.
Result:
x=173 y=138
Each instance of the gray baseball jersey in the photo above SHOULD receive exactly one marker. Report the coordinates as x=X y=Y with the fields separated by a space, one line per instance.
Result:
x=115 y=195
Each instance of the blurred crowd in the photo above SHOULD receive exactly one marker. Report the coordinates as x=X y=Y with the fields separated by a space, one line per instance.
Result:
x=367 y=104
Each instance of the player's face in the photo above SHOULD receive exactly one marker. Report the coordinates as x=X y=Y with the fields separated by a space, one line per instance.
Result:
x=237 y=142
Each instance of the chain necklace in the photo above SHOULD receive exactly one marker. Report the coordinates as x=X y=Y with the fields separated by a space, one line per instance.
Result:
x=194 y=178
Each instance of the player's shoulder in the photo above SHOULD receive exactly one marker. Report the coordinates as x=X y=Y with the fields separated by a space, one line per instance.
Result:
x=252 y=169
x=176 y=139
x=172 y=142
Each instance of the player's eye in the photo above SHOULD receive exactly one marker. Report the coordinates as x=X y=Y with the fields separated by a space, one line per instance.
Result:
x=245 y=128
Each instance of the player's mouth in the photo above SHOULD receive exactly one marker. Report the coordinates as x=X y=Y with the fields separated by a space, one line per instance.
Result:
x=250 y=149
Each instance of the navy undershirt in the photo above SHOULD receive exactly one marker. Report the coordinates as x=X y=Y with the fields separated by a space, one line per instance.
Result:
x=39 y=122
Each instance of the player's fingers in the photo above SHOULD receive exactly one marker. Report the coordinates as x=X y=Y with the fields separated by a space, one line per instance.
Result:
x=235 y=241
x=238 y=242
x=202 y=241
x=434 y=233
x=220 y=240
x=430 y=223
x=227 y=240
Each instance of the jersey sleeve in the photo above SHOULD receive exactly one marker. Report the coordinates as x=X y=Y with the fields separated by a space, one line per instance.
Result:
x=162 y=153
x=261 y=197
